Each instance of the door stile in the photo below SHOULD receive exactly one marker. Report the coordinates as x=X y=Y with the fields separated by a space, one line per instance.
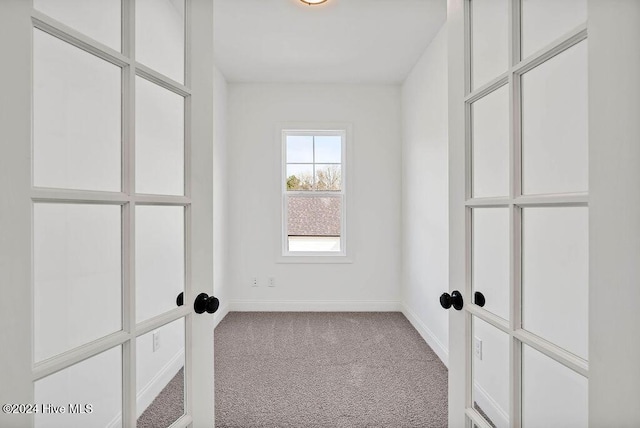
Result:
x=458 y=81
x=16 y=275
x=515 y=190
x=129 y=390
x=200 y=19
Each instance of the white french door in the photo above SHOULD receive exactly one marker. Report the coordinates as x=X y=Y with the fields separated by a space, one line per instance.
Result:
x=107 y=221
x=519 y=348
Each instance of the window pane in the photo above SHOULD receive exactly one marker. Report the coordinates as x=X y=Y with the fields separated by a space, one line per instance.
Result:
x=160 y=36
x=160 y=375
x=96 y=381
x=98 y=19
x=555 y=270
x=489 y=40
x=491 y=373
x=544 y=21
x=490 y=144
x=299 y=149
x=300 y=177
x=159 y=259
x=328 y=177
x=77 y=260
x=554 y=124
x=552 y=395
x=490 y=267
x=328 y=149
x=159 y=140
x=314 y=224
x=76 y=117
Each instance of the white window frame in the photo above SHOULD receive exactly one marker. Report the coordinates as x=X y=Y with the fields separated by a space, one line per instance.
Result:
x=341 y=256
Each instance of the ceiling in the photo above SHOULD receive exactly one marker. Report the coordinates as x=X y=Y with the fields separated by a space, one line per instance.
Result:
x=340 y=41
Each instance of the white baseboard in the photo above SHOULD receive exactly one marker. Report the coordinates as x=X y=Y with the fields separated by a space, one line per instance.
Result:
x=220 y=314
x=490 y=407
x=314 y=305
x=438 y=347
x=151 y=390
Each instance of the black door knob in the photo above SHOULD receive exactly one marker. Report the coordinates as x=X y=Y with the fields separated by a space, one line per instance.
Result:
x=454 y=299
x=204 y=303
x=478 y=299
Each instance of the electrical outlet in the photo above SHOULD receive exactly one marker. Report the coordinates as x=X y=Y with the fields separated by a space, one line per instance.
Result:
x=156 y=340
x=272 y=281
x=254 y=281
x=477 y=347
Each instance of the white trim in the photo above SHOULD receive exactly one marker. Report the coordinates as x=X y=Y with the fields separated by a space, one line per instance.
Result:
x=614 y=220
x=160 y=79
x=341 y=194
x=154 y=387
x=315 y=258
x=67 y=34
x=432 y=340
x=220 y=314
x=344 y=129
x=314 y=306
x=490 y=407
x=60 y=362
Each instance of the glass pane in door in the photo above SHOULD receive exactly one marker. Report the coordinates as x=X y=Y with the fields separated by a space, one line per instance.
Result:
x=90 y=393
x=490 y=373
x=160 y=356
x=159 y=140
x=555 y=281
x=552 y=394
x=77 y=291
x=160 y=38
x=490 y=144
x=490 y=258
x=544 y=21
x=160 y=259
x=98 y=19
x=554 y=124
x=489 y=40
x=76 y=117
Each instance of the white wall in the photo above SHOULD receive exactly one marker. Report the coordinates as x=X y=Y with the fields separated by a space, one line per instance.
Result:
x=220 y=193
x=371 y=282
x=425 y=247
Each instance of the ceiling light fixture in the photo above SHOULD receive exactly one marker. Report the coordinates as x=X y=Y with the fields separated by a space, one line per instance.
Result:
x=313 y=2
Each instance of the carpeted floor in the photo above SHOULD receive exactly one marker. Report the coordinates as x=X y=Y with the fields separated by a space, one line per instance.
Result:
x=167 y=407
x=326 y=370
x=317 y=369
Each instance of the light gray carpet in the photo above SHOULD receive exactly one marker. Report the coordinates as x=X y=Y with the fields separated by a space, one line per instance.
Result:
x=167 y=407
x=326 y=370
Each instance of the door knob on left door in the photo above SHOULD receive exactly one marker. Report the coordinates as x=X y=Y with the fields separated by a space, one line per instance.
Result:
x=454 y=299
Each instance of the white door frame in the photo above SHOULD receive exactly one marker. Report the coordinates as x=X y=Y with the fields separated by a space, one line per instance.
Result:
x=17 y=371
x=614 y=219
x=614 y=213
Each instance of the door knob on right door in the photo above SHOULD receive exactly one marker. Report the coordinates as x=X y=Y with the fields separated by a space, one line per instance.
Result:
x=454 y=299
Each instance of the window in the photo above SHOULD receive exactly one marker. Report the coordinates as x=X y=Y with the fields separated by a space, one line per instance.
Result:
x=313 y=193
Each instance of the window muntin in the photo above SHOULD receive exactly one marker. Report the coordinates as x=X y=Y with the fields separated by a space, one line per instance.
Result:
x=313 y=192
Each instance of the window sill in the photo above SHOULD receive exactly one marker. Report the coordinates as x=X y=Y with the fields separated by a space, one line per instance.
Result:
x=315 y=259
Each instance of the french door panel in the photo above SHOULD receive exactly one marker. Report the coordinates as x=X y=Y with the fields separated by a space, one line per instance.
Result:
x=109 y=239
x=519 y=191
